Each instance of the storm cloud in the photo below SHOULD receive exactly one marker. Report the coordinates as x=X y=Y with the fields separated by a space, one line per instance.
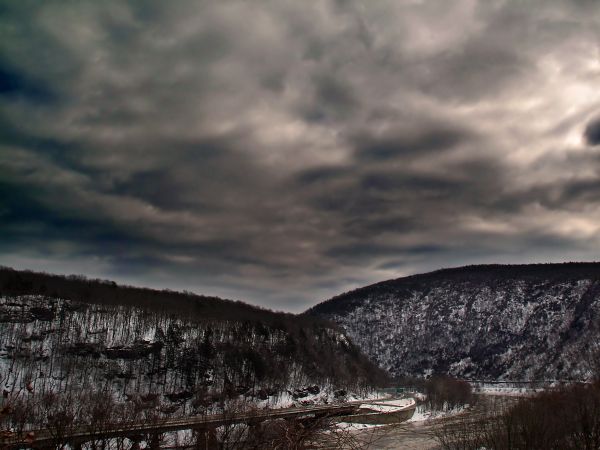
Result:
x=592 y=132
x=282 y=152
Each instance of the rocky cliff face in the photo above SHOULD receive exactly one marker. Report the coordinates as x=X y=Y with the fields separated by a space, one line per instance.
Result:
x=526 y=322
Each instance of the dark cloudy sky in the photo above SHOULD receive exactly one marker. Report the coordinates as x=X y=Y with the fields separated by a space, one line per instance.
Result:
x=285 y=151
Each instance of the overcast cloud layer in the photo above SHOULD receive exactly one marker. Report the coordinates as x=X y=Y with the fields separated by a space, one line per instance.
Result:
x=282 y=152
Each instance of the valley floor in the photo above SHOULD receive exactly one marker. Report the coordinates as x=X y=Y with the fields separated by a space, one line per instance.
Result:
x=420 y=434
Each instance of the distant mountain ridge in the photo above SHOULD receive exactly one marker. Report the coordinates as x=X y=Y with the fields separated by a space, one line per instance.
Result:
x=534 y=321
x=83 y=289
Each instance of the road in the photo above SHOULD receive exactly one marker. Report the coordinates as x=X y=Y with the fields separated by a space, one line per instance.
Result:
x=406 y=436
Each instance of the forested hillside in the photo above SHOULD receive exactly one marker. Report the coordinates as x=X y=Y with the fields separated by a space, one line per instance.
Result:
x=515 y=322
x=169 y=352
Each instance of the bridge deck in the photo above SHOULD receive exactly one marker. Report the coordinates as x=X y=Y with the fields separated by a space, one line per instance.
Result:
x=43 y=438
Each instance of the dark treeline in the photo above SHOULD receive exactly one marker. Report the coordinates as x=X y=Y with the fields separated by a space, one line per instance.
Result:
x=105 y=292
x=445 y=393
x=441 y=392
x=561 y=419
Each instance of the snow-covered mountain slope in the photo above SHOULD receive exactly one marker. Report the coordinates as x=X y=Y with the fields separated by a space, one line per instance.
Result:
x=187 y=351
x=520 y=322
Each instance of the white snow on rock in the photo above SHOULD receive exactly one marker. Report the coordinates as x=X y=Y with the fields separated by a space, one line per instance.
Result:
x=484 y=323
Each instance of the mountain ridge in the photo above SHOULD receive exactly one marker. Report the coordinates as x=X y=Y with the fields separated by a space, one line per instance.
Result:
x=591 y=267
x=73 y=337
x=491 y=321
x=84 y=289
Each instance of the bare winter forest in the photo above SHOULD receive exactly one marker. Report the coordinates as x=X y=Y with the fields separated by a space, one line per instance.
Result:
x=67 y=362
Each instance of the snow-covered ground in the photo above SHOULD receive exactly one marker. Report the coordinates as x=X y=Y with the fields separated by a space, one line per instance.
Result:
x=347 y=426
x=388 y=406
x=506 y=390
x=421 y=413
x=326 y=396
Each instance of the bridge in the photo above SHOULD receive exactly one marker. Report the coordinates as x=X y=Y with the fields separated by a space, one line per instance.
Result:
x=43 y=439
